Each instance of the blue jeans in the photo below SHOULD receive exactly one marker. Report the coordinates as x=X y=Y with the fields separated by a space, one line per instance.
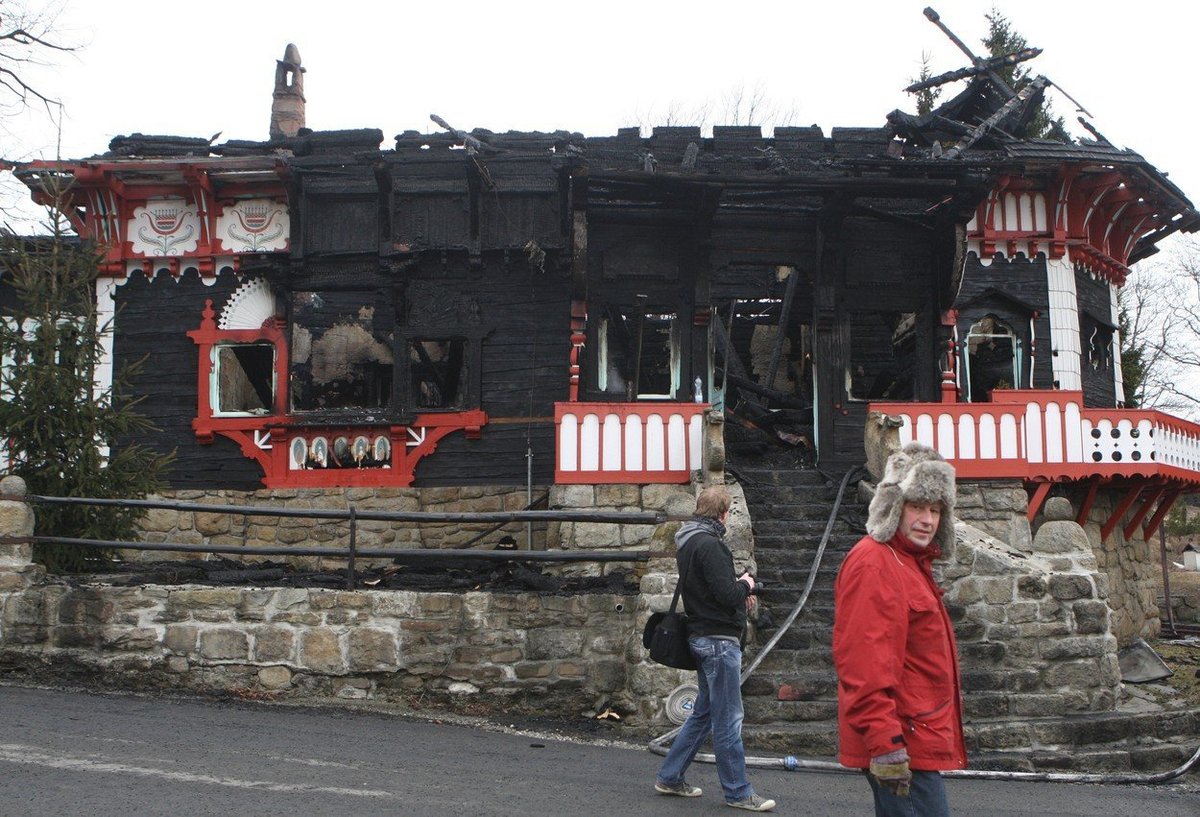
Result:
x=926 y=799
x=718 y=711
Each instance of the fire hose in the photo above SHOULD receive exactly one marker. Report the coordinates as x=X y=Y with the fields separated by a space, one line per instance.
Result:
x=794 y=764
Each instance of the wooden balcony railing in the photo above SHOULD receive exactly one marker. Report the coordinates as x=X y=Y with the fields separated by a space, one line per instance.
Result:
x=627 y=442
x=1048 y=436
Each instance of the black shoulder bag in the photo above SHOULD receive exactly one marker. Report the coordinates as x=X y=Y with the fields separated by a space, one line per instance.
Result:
x=666 y=634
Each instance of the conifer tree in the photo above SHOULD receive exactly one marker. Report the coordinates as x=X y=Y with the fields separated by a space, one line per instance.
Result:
x=66 y=434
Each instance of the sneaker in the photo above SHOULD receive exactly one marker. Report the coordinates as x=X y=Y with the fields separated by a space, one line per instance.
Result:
x=680 y=789
x=752 y=803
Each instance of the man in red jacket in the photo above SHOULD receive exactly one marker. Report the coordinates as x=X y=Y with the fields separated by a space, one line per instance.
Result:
x=899 y=700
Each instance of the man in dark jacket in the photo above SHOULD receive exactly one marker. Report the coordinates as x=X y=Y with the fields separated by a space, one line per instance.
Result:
x=899 y=699
x=716 y=605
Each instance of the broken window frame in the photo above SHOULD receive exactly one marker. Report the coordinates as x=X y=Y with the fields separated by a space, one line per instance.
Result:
x=457 y=345
x=214 y=384
x=965 y=352
x=378 y=326
x=605 y=361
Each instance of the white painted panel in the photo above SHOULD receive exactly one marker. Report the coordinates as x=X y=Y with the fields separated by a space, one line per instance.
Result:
x=966 y=438
x=1010 y=447
x=1039 y=212
x=589 y=433
x=677 y=443
x=906 y=430
x=925 y=430
x=695 y=440
x=568 y=443
x=987 y=437
x=610 y=447
x=1034 y=442
x=1010 y=212
x=633 y=443
x=1026 y=212
x=1073 y=429
x=945 y=436
x=655 y=458
x=1052 y=429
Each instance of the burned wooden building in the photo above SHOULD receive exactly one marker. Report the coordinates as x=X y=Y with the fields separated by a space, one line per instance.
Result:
x=465 y=309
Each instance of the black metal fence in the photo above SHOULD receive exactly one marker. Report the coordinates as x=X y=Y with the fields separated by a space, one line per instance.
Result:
x=352 y=517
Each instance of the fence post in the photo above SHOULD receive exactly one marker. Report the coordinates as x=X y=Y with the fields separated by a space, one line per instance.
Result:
x=353 y=549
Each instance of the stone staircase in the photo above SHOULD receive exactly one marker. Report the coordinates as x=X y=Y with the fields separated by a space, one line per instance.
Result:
x=790 y=506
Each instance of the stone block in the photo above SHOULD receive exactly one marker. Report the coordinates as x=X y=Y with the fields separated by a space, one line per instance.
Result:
x=1067 y=587
x=1091 y=616
x=211 y=524
x=136 y=639
x=177 y=664
x=321 y=651
x=617 y=496
x=548 y=643
x=224 y=644
x=573 y=496
x=371 y=649
x=597 y=535
x=180 y=638
x=275 y=678
x=1031 y=587
x=274 y=644
x=533 y=669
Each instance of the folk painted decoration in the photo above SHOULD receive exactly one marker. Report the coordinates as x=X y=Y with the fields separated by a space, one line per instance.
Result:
x=164 y=227
x=254 y=225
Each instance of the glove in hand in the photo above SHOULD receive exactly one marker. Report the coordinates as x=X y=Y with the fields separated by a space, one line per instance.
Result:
x=892 y=772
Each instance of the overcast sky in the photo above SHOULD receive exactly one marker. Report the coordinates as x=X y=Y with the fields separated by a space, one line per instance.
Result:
x=194 y=69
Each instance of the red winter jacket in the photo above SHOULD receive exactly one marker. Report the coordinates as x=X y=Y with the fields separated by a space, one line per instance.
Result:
x=896 y=659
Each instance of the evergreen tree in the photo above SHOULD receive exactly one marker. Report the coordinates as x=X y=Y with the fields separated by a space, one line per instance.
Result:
x=1003 y=39
x=926 y=97
x=66 y=435
x=1133 y=362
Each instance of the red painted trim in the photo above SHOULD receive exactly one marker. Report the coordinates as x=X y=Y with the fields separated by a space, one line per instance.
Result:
x=1154 y=497
x=1039 y=497
x=1115 y=519
x=1164 y=508
x=279 y=428
x=1085 y=509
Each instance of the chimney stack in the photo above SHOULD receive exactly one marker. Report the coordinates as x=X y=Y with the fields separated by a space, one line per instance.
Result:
x=287 y=106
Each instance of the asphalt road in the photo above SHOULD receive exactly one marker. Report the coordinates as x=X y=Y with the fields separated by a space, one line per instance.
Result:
x=77 y=753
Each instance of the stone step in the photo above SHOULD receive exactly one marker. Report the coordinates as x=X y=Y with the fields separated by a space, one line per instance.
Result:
x=816 y=739
x=803 y=527
x=764 y=710
x=756 y=476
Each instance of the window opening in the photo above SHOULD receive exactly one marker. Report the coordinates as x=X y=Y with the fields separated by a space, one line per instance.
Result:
x=438 y=372
x=992 y=358
x=638 y=354
x=341 y=352
x=243 y=378
x=1099 y=341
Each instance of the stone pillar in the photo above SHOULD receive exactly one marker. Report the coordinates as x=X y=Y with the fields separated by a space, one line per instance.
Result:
x=20 y=603
x=17 y=570
x=713 y=455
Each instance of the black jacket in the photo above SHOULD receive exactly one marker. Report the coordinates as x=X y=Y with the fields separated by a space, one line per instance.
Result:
x=714 y=599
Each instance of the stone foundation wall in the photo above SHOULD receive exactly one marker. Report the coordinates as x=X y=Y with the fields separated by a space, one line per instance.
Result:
x=1134 y=570
x=1131 y=567
x=198 y=527
x=1033 y=626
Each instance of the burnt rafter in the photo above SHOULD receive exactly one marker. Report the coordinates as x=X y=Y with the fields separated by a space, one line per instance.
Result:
x=985 y=66
x=978 y=62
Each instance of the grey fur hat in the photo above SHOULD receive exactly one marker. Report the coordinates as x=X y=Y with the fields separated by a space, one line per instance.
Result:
x=916 y=473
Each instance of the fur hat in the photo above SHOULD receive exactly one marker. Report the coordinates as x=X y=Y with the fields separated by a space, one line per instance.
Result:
x=916 y=473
